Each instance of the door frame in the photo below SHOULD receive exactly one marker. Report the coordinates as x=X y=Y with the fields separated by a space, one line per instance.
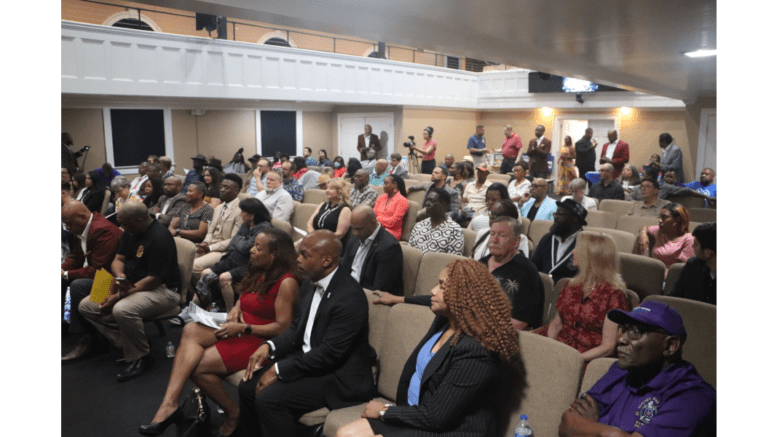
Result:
x=389 y=147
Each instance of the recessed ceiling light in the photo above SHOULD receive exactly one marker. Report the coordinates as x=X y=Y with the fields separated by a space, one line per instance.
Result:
x=702 y=53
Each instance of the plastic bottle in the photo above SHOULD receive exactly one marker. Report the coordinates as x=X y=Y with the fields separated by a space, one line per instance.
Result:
x=170 y=349
x=523 y=429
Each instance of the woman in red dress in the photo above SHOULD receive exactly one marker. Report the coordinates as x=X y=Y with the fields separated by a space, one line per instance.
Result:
x=269 y=294
x=582 y=306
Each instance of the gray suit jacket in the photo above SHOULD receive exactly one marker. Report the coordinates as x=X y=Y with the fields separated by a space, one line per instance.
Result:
x=176 y=203
x=400 y=171
x=672 y=160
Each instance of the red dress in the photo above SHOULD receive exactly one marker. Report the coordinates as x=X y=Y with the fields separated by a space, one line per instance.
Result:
x=582 y=319
x=257 y=310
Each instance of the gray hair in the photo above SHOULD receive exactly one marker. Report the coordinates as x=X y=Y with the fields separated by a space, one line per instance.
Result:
x=118 y=183
x=577 y=184
x=363 y=171
x=515 y=225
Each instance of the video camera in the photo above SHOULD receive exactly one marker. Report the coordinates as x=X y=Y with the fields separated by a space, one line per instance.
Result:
x=410 y=143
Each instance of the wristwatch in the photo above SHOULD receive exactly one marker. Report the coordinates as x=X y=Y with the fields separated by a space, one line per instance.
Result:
x=247 y=331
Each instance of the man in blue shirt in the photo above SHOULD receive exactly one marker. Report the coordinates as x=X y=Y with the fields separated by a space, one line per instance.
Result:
x=476 y=144
x=650 y=391
x=704 y=185
x=195 y=174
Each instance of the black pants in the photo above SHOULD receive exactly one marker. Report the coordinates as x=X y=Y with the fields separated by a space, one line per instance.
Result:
x=427 y=167
x=277 y=408
x=507 y=166
x=79 y=290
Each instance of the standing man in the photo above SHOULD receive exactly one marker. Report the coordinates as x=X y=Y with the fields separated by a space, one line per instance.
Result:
x=671 y=157
x=511 y=150
x=171 y=202
x=539 y=148
x=616 y=151
x=368 y=140
x=477 y=144
x=323 y=359
x=586 y=154
x=195 y=174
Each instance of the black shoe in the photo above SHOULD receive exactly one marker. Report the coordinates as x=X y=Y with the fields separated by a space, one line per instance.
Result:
x=135 y=369
x=158 y=428
x=83 y=347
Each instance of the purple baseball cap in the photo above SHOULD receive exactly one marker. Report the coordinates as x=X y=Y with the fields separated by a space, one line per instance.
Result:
x=652 y=313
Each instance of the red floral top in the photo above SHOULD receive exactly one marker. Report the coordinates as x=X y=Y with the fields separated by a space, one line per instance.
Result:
x=583 y=318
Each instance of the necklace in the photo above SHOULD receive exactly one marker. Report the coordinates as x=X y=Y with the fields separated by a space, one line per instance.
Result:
x=327 y=210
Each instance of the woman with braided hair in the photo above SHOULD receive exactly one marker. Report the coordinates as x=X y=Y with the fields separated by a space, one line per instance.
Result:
x=455 y=380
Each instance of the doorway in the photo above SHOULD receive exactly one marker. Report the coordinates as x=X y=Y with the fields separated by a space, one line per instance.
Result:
x=350 y=126
x=575 y=126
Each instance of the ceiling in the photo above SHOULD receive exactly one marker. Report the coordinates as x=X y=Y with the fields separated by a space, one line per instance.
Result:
x=636 y=44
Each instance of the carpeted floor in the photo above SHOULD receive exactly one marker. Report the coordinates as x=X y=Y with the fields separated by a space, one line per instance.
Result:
x=95 y=404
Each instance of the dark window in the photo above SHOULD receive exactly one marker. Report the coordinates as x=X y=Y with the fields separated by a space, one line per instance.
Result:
x=475 y=65
x=277 y=42
x=132 y=23
x=279 y=132
x=136 y=134
x=452 y=62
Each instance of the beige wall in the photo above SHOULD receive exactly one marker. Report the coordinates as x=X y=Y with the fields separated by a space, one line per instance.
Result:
x=86 y=127
x=184 y=139
x=451 y=129
x=317 y=130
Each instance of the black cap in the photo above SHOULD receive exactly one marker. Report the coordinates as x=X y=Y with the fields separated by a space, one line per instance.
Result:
x=200 y=157
x=575 y=208
x=215 y=163
x=256 y=158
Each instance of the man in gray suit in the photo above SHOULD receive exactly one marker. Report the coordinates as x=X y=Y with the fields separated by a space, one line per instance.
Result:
x=395 y=166
x=671 y=157
x=171 y=202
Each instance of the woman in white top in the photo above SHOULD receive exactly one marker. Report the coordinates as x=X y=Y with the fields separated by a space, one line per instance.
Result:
x=494 y=193
x=577 y=188
x=520 y=185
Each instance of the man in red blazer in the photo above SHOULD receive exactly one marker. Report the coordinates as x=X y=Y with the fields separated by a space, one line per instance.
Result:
x=368 y=140
x=538 y=154
x=96 y=244
x=616 y=151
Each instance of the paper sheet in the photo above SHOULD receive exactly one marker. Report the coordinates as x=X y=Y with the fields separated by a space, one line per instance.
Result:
x=101 y=287
x=213 y=320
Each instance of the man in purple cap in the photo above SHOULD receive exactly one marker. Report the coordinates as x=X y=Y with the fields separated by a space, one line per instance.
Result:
x=650 y=391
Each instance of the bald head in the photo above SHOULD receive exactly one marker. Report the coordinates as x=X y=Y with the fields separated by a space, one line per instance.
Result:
x=319 y=254
x=75 y=216
x=363 y=222
x=324 y=242
x=612 y=135
x=380 y=166
x=134 y=217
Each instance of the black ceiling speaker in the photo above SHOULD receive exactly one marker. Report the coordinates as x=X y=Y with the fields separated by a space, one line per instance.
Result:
x=544 y=76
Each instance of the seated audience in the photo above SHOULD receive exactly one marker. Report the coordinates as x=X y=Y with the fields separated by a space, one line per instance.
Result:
x=326 y=364
x=438 y=182
x=553 y=254
x=212 y=178
x=650 y=391
x=519 y=186
x=494 y=193
x=78 y=185
x=448 y=162
x=362 y=193
x=148 y=260
x=306 y=153
x=391 y=206
x=96 y=243
x=171 y=202
x=299 y=169
x=232 y=265
x=479 y=375
x=705 y=183
x=192 y=219
x=669 y=242
x=353 y=166
x=323 y=159
x=258 y=176
x=439 y=232
x=121 y=189
x=629 y=179
x=540 y=206
x=500 y=208
x=165 y=167
x=339 y=167
x=651 y=205
x=458 y=173
x=151 y=190
x=668 y=189
x=652 y=168
x=290 y=184
x=587 y=298
x=577 y=188
x=95 y=192
x=269 y=295
x=195 y=174
x=134 y=186
x=606 y=187
x=334 y=214
x=372 y=255
x=277 y=200
x=237 y=164
x=698 y=279
x=369 y=163
x=107 y=173
x=379 y=172
x=396 y=167
x=474 y=198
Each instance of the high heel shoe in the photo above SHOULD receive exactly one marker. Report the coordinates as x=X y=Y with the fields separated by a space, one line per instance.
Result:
x=158 y=428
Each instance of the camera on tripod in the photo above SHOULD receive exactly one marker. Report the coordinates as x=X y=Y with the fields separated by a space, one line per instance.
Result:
x=410 y=143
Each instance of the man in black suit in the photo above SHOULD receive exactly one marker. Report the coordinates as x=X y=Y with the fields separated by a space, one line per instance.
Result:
x=586 y=154
x=368 y=140
x=373 y=255
x=323 y=360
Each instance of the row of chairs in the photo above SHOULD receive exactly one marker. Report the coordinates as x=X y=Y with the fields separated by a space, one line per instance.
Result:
x=695 y=206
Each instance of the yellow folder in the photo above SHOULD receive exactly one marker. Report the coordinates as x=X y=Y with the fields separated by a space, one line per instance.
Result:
x=101 y=287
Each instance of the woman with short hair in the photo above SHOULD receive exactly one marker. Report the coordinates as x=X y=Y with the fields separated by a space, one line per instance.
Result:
x=120 y=186
x=519 y=185
x=193 y=218
x=576 y=189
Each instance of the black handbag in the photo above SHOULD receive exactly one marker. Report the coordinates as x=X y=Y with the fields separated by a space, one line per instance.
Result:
x=196 y=416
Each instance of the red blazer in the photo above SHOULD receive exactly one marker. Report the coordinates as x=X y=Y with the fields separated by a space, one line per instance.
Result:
x=374 y=143
x=619 y=158
x=538 y=155
x=102 y=243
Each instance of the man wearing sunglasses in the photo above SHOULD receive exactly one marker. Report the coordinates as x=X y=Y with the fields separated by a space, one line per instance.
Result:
x=650 y=390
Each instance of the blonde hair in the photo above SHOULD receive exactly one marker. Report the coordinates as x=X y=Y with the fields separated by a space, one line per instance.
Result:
x=598 y=261
x=343 y=191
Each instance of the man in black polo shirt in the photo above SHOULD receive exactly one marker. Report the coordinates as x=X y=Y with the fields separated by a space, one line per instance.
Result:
x=148 y=261
x=698 y=279
x=606 y=188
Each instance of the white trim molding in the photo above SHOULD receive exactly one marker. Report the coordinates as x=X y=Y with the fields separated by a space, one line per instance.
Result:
x=133 y=14
x=277 y=34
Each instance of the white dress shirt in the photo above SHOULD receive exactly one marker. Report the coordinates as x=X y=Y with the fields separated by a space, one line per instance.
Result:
x=361 y=255
x=611 y=150
x=278 y=202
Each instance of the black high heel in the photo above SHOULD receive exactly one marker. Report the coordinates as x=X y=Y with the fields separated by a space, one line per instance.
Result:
x=158 y=428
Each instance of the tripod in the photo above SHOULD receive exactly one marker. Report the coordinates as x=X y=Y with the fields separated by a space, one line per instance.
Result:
x=412 y=163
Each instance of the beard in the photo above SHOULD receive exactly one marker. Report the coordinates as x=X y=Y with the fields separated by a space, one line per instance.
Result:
x=559 y=229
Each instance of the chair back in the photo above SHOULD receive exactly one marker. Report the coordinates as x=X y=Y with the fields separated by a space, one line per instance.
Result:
x=408 y=221
x=422 y=177
x=411 y=182
x=553 y=374
x=594 y=372
x=633 y=224
x=377 y=320
x=671 y=276
x=547 y=287
x=378 y=189
x=692 y=226
x=617 y=207
x=703 y=215
x=525 y=224
x=601 y=219
x=411 y=262
x=469 y=242
x=417 y=197
x=700 y=320
x=284 y=226
x=106 y=201
x=538 y=229
x=302 y=213
x=551 y=312
x=642 y=274
x=632 y=298
x=689 y=201
x=503 y=179
x=314 y=196
x=242 y=196
x=624 y=241
x=186 y=251
x=431 y=265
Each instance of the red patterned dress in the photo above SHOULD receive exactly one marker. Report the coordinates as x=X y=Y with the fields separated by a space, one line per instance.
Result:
x=582 y=319
x=257 y=310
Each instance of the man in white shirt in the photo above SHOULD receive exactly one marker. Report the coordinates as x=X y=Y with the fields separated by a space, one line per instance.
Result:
x=260 y=172
x=142 y=177
x=277 y=200
x=474 y=196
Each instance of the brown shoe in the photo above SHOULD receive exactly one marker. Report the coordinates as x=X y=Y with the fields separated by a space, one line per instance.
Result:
x=83 y=347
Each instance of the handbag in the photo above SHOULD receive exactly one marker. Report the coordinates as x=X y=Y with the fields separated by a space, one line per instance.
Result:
x=196 y=416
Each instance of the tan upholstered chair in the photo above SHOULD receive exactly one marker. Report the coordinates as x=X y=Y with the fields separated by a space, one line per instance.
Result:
x=538 y=229
x=432 y=264
x=411 y=261
x=186 y=251
x=411 y=182
x=692 y=225
x=525 y=224
x=642 y=274
x=550 y=300
x=106 y=202
x=302 y=213
x=242 y=196
x=551 y=313
x=624 y=241
x=284 y=226
x=378 y=189
x=409 y=220
x=596 y=201
x=553 y=373
x=688 y=201
x=703 y=215
x=314 y=196
x=601 y=219
x=594 y=372
x=633 y=224
x=617 y=207
x=421 y=177
x=503 y=179
x=417 y=197
x=632 y=298
x=469 y=242
x=700 y=320
x=671 y=276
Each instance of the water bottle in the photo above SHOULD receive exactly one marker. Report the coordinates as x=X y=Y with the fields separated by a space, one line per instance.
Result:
x=523 y=429
x=170 y=349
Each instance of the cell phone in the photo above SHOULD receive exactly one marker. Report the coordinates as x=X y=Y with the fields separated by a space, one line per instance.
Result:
x=122 y=280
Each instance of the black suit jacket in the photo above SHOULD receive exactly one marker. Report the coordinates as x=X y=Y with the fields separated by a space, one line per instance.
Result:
x=382 y=268
x=339 y=350
x=457 y=390
x=586 y=156
x=542 y=258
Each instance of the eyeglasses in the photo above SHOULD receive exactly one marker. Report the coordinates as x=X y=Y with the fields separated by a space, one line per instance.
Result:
x=635 y=332
x=538 y=186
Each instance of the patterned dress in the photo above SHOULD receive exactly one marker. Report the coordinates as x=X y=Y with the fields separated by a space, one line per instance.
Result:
x=566 y=169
